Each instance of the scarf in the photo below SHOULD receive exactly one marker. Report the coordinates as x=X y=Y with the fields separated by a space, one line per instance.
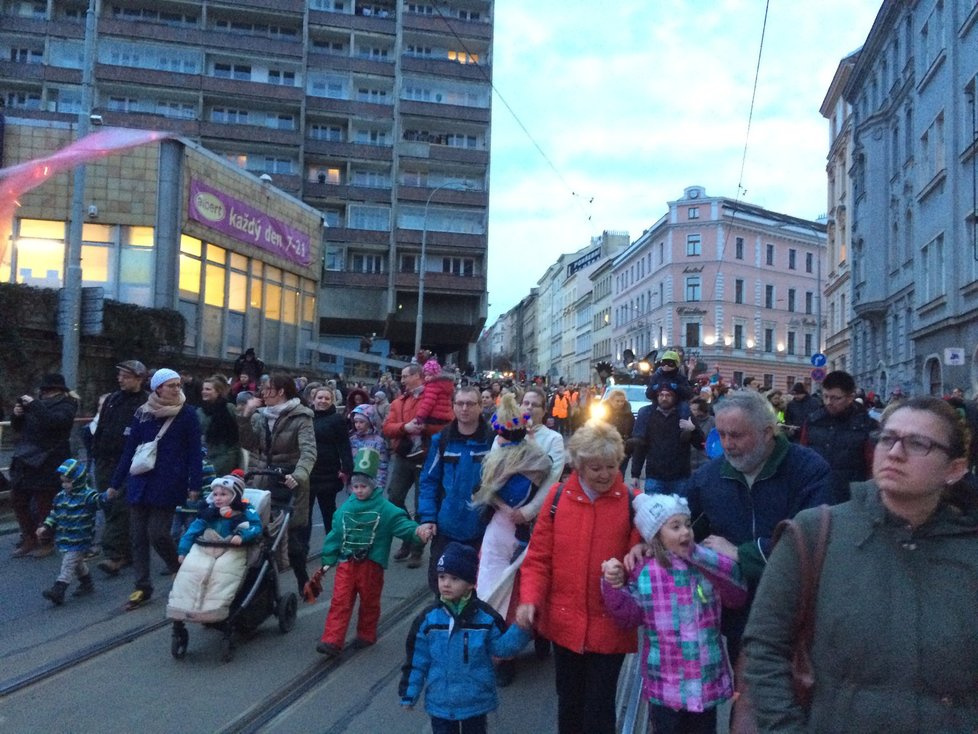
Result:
x=222 y=430
x=157 y=407
x=274 y=412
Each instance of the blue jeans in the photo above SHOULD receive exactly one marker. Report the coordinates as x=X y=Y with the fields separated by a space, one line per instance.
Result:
x=475 y=725
x=666 y=486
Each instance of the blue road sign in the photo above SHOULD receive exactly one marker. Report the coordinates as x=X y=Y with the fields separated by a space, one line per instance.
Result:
x=819 y=360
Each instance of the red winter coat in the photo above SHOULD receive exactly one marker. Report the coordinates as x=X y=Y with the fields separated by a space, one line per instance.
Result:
x=435 y=403
x=402 y=411
x=561 y=574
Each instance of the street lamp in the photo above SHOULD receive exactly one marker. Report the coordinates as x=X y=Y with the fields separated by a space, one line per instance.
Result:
x=423 y=264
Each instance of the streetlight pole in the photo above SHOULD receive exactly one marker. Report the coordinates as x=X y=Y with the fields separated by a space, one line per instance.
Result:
x=422 y=265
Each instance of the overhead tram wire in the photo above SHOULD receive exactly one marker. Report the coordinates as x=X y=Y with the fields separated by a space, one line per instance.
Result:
x=743 y=159
x=588 y=200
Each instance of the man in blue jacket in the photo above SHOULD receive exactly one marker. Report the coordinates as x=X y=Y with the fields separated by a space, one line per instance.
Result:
x=450 y=477
x=739 y=498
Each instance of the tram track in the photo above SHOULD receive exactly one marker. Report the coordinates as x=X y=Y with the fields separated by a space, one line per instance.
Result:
x=263 y=713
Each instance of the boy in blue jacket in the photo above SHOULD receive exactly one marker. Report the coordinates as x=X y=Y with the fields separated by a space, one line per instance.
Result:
x=451 y=646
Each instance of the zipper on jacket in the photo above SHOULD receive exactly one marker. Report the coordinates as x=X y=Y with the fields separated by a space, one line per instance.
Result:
x=465 y=648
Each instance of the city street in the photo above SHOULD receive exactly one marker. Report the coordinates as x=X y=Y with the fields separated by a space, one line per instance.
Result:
x=88 y=666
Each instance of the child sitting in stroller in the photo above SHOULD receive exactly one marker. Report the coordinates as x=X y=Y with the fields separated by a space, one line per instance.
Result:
x=210 y=575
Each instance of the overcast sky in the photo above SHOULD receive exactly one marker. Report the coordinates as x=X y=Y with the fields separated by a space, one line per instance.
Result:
x=631 y=101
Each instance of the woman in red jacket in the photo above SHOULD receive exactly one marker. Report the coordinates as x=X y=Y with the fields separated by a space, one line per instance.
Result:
x=584 y=521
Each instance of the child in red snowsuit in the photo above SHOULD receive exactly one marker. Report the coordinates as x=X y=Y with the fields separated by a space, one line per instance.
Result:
x=435 y=405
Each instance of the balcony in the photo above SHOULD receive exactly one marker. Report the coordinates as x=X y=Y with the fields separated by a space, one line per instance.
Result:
x=150 y=31
x=291 y=7
x=350 y=107
x=250 y=133
x=145 y=77
x=447 y=26
x=475 y=243
x=347 y=279
x=349 y=150
x=444 y=67
x=40 y=27
x=360 y=236
x=456 y=113
x=447 y=195
x=441 y=282
x=28 y=72
x=346 y=193
x=241 y=88
x=336 y=64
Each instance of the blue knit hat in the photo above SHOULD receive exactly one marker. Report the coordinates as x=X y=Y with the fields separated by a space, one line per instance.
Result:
x=460 y=561
x=75 y=471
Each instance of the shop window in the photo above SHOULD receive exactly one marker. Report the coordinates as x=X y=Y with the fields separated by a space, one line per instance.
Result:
x=214 y=286
x=189 y=276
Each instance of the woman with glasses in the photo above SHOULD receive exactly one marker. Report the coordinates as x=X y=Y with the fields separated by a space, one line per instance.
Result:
x=895 y=646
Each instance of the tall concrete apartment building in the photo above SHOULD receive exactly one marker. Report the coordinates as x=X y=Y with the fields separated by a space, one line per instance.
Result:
x=913 y=92
x=375 y=112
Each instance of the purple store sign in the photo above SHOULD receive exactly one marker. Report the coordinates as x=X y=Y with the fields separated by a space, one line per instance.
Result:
x=244 y=223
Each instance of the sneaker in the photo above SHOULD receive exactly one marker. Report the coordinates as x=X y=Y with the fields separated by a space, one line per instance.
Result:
x=43 y=551
x=25 y=548
x=360 y=643
x=137 y=599
x=414 y=561
x=112 y=566
x=328 y=649
x=93 y=552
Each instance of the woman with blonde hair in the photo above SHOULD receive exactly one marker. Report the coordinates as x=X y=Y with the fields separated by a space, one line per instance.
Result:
x=584 y=521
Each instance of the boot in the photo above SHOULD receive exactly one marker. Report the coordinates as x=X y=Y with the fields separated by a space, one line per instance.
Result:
x=56 y=594
x=85 y=586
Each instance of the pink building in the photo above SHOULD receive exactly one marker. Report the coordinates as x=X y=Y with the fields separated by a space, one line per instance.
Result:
x=735 y=286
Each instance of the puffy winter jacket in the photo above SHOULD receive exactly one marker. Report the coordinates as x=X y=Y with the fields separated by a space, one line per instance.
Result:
x=561 y=574
x=454 y=655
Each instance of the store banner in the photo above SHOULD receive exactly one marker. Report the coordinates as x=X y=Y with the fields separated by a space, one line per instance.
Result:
x=235 y=218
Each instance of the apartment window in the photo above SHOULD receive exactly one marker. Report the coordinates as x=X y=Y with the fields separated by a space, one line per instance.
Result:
x=693 y=212
x=233 y=71
x=23 y=100
x=693 y=245
x=739 y=248
x=464 y=266
x=662 y=250
x=229 y=115
x=792 y=257
x=769 y=340
x=769 y=380
x=409 y=264
x=374 y=96
x=739 y=290
x=372 y=137
x=769 y=296
x=337 y=48
x=274 y=164
x=420 y=9
x=419 y=51
x=457 y=140
x=325 y=174
x=377 y=53
x=333 y=217
x=791 y=342
x=809 y=302
x=361 y=263
x=693 y=334
x=738 y=335
x=123 y=104
x=280 y=121
x=376 y=218
x=282 y=78
x=932 y=151
x=693 y=288
x=372 y=179
x=791 y=299
x=769 y=257
x=809 y=341
x=26 y=55
x=809 y=262
x=932 y=259
x=333 y=133
x=463 y=57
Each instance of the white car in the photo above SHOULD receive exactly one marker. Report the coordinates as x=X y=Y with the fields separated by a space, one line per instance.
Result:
x=634 y=394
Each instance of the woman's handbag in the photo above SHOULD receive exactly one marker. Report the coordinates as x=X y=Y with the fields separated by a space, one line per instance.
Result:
x=810 y=560
x=144 y=458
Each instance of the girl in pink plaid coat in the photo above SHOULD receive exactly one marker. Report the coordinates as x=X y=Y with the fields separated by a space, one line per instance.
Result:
x=676 y=596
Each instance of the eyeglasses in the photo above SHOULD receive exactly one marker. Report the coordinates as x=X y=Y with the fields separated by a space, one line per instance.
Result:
x=465 y=404
x=913 y=444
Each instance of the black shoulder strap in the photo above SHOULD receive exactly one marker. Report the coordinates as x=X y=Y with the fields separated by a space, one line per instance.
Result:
x=553 y=505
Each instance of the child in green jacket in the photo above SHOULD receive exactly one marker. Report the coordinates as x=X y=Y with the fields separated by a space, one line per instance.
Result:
x=360 y=541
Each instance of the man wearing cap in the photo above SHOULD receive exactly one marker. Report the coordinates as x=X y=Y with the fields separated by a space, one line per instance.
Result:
x=42 y=428
x=668 y=371
x=662 y=442
x=107 y=446
x=840 y=432
x=801 y=405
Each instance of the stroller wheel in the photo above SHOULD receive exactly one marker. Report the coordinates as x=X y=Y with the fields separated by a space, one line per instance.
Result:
x=288 y=608
x=227 y=650
x=178 y=642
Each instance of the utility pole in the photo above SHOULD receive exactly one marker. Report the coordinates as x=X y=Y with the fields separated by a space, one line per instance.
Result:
x=71 y=293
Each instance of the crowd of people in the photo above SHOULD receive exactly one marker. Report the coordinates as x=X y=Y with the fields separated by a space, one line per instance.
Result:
x=655 y=533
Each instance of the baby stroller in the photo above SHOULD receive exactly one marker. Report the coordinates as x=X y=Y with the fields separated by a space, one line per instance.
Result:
x=249 y=577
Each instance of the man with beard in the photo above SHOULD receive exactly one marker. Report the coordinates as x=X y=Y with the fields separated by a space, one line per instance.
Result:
x=739 y=498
